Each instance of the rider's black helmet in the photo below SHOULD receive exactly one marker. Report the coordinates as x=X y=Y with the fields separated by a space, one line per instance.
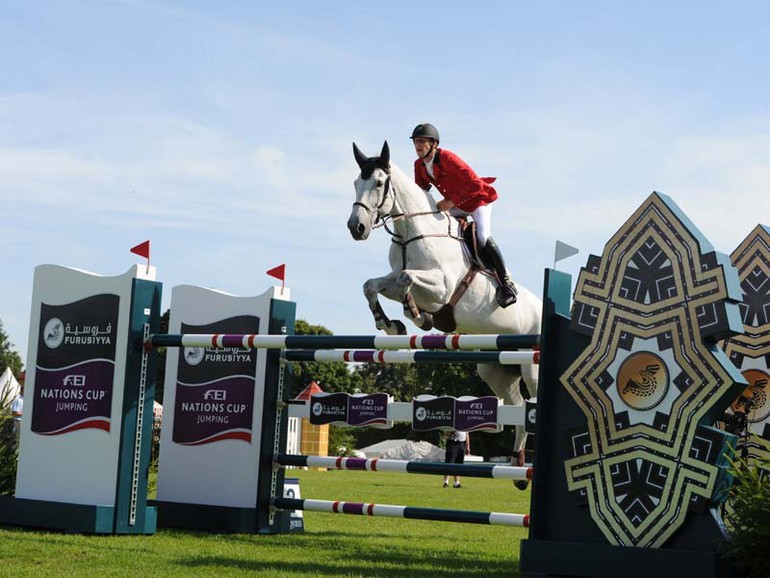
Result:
x=425 y=130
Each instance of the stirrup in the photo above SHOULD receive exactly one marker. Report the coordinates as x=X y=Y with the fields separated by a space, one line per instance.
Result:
x=506 y=294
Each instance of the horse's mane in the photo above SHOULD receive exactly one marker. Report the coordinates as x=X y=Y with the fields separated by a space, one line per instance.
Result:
x=409 y=187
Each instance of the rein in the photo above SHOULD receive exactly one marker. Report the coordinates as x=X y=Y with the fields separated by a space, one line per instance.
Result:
x=398 y=239
x=396 y=236
x=383 y=221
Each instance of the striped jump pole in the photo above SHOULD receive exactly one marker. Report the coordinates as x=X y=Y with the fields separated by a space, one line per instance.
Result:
x=250 y=341
x=434 y=514
x=380 y=356
x=406 y=467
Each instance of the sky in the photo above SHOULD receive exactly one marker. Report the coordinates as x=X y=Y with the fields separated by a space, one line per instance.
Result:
x=221 y=131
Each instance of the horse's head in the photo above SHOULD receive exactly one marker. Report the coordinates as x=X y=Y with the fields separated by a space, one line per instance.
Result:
x=374 y=197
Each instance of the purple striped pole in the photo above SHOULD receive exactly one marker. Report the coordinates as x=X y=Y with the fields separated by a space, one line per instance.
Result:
x=380 y=356
x=250 y=341
x=407 y=467
x=434 y=514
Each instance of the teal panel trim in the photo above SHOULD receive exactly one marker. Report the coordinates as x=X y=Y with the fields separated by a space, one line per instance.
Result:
x=705 y=244
x=274 y=422
x=135 y=444
x=70 y=518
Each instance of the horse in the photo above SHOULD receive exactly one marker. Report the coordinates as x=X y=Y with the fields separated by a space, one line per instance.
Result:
x=432 y=276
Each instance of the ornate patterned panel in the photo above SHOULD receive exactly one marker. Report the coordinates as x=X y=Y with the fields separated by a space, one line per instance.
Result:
x=653 y=305
x=750 y=352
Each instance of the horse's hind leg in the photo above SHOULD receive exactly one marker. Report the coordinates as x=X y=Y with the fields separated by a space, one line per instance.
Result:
x=505 y=381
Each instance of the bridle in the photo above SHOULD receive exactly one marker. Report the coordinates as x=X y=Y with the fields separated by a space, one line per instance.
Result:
x=389 y=189
x=385 y=194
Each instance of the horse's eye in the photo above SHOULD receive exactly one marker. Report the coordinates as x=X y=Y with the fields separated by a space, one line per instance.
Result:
x=380 y=182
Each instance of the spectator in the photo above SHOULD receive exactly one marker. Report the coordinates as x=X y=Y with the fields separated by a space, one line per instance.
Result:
x=17 y=407
x=458 y=445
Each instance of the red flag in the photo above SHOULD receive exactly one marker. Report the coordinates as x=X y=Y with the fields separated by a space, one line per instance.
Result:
x=278 y=272
x=142 y=249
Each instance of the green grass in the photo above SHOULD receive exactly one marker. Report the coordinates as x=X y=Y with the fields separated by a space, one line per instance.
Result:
x=332 y=545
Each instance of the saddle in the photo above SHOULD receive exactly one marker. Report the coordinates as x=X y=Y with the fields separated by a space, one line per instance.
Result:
x=444 y=319
x=477 y=255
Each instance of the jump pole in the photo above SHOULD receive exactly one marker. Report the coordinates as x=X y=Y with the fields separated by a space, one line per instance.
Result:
x=501 y=342
x=406 y=467
x=410 y=512
x=412 y=357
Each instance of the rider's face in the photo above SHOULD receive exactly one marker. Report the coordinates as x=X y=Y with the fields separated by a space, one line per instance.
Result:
x=423 y=147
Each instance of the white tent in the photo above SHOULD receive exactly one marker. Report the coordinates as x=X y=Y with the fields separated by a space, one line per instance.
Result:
x=415 y=451
x=404 y=450
x=407 y=450
x=9 y=389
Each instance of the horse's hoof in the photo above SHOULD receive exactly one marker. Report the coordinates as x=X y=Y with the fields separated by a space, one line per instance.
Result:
x=521 y=484
x=427 y=323
x=400 y=327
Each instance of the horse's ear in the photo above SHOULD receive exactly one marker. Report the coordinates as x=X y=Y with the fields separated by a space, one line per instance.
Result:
x=361 y=158
x=385 y=154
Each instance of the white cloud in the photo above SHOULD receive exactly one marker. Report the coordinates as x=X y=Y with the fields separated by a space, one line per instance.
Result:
x=33 y=165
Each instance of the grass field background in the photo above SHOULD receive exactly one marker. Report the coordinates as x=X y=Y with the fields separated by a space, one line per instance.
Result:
x=332 y=545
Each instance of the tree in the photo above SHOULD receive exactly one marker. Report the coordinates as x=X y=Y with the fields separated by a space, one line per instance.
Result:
x=332 y=377
x=748 y=516
x=454 y=379
x=8 y=356
x=400 y=381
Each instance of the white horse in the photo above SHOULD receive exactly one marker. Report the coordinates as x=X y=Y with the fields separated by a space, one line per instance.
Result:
x=428 y=264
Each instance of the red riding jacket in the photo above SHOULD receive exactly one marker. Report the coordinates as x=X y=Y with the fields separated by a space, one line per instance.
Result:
x=456 y=181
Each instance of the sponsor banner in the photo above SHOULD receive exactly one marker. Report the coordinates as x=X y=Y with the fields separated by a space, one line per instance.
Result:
x=215 y=387
x=476 y=413
x=214 y=411
x=328 y=408
x=369 y=410
x=430 y=413
x=75 y=366
x=291 y=491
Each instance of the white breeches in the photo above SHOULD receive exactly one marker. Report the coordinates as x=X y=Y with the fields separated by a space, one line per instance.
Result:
x=482 y=216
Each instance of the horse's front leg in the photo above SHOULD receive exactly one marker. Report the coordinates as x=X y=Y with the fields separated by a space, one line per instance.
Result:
x=430 y=289
x=388 y=287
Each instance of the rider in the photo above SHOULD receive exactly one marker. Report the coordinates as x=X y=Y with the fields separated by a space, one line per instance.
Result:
x=465 y=193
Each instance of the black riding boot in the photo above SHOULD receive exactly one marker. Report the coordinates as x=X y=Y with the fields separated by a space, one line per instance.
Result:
x=506 y=292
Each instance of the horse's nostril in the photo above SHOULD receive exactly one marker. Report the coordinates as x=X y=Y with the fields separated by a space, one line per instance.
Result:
x=361 y=228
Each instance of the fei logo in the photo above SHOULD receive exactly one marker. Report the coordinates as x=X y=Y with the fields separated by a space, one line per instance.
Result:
x=477 y=405
x=215 y=394
x=74 y=380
